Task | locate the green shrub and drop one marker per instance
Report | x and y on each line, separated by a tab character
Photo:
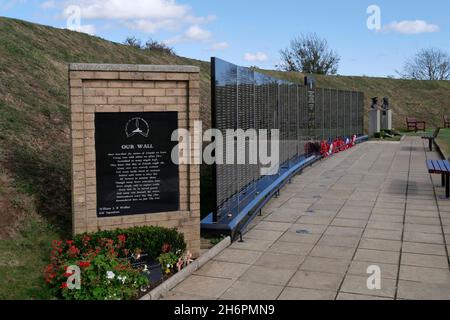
149	239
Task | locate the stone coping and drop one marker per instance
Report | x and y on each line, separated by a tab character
173	281
132	67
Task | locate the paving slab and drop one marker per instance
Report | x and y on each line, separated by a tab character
423	237
411	290
327	265
252	244
354	297
425	260
306	294
300	237
380	244
358	285
316	280
383	234
355	223
244	290
344	231
341	253
424	248
238	256
377	256
360	268
280	261
259	234
423	274
267	275
339	241
293	248
273	226
208	286
221	269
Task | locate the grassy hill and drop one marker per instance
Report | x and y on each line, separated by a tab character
34	133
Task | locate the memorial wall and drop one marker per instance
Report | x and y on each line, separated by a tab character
244	99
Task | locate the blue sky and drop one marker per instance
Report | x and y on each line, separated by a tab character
250	32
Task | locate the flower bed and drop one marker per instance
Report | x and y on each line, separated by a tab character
111	264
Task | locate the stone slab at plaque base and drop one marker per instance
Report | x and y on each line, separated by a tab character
386	120
374	122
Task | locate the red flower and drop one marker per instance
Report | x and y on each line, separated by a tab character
121	238
84	264
166	248
63	285
74	251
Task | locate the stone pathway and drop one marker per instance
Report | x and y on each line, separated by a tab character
372	205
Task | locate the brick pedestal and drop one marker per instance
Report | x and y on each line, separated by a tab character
100	88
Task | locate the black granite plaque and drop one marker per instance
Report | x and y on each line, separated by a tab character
135	172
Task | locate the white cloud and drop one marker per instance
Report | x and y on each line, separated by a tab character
219	46
87	28
136	9
197	33
411	27
149	16
194	34
258	56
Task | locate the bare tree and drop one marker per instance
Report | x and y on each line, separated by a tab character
309	54
427	64
133	42
154	45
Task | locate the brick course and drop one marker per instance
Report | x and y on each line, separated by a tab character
115	90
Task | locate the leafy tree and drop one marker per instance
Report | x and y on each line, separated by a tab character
309	54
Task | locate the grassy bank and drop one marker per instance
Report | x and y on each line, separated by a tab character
443	141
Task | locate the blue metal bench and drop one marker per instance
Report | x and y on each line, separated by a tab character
441	167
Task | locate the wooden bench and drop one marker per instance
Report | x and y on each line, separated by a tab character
441	167
446	121
431	138
413	124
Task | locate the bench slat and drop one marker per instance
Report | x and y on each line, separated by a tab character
433	166
447	165
438	166
441	166
430	165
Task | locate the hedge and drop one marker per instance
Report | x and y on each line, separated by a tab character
149	239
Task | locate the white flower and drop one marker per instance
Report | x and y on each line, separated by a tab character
122	279
110	275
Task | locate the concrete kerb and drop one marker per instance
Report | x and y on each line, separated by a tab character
169	284
439	150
